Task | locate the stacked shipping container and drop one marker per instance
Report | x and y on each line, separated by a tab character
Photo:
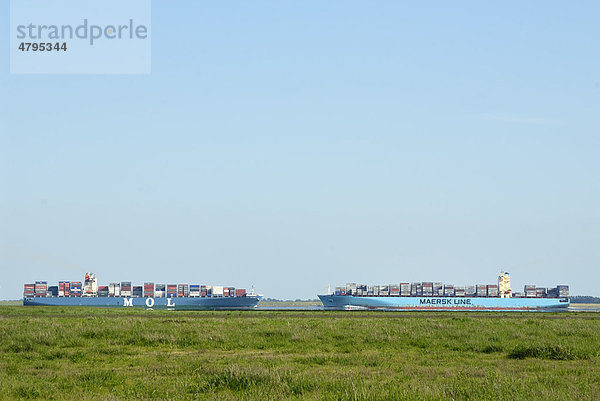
481	290
492	290
194	290
148	290
114	290
530	291
75	288
160	290
183	290
563	290
138	291
41	288
29	290
404	289
429	289
126	289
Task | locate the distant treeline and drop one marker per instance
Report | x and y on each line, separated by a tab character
290	300
585	299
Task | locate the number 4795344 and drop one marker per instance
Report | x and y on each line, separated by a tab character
41	47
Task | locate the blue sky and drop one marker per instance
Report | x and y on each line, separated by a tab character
292	145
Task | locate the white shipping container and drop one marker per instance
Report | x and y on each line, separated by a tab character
217	290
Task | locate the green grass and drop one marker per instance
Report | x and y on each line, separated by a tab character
71	353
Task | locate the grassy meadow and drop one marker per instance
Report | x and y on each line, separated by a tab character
114	354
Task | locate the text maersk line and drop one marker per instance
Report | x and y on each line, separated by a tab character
83	31
444	301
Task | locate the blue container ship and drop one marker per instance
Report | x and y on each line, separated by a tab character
148	296
430	296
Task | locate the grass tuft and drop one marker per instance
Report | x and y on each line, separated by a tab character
555	352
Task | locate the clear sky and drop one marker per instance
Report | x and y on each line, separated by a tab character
292	145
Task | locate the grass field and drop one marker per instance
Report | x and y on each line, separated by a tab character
69	353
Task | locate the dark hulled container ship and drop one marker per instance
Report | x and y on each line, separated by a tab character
148	296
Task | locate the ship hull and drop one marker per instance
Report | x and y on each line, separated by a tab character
348	302
177	303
